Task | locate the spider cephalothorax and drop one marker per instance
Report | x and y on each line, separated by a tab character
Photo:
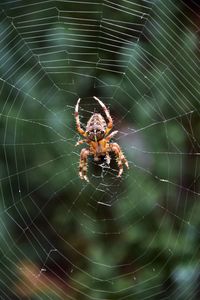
96	136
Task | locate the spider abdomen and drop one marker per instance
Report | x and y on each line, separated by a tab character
96	127
97	122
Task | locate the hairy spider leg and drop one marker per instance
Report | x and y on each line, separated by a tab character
81	142
119	156
83	164
110	136
78	124
107	113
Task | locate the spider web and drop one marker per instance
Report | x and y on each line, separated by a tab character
131	238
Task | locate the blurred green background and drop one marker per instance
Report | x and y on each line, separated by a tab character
131	238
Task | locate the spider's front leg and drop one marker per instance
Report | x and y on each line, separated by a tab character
107	158
83	164
120	157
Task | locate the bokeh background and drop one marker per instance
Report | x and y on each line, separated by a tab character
137	237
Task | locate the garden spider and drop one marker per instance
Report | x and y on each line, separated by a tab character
96	136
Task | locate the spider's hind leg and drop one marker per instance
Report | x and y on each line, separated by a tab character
107	113
78	124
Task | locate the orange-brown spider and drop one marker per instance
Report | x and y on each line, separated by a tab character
96	136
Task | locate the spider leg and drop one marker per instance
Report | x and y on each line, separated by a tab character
120	157
107	158
83	164
81	142
110	136
78	124
107	113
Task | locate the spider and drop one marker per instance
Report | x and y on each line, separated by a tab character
96	136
